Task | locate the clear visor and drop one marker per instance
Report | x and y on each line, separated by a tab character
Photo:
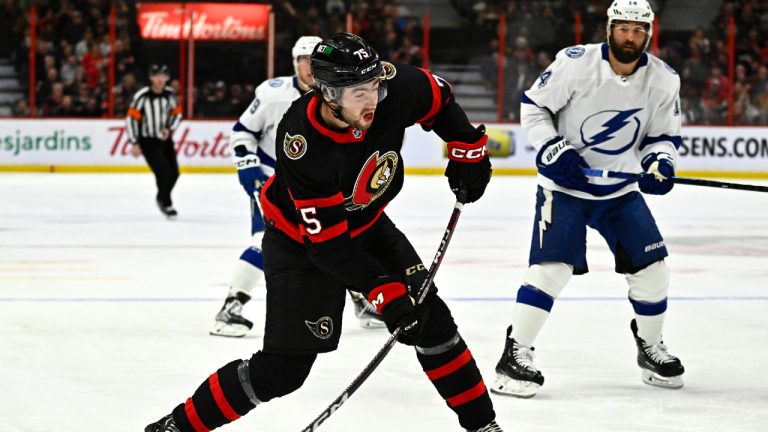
365	95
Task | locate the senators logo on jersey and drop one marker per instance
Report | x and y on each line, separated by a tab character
373	180
294	146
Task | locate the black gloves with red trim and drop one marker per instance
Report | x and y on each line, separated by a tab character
390	298
469	167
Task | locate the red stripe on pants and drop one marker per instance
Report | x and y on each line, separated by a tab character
450	367
469	395
194	419
221	400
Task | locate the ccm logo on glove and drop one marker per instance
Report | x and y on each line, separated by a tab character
468	152
247	161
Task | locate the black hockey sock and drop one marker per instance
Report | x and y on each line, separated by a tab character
454	374
218	401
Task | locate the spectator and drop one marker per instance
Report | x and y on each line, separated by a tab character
21	109
65	108
71	70
92	63
408	53
713	104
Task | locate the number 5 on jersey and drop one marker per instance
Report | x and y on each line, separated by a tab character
308	215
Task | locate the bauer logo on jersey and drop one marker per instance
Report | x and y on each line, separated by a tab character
611	132
294	146
575	51
322	328
373	180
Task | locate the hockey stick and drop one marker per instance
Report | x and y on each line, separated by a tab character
379	357
678	180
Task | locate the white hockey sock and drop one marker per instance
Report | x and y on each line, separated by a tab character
649	327
244	277
527	322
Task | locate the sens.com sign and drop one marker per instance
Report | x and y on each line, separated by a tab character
724	149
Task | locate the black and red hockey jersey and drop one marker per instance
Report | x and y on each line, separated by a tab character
331	185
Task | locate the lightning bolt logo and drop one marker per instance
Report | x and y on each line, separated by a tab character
546	216
618	120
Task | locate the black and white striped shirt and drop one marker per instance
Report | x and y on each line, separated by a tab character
152	112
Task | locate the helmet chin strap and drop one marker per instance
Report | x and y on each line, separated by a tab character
335	111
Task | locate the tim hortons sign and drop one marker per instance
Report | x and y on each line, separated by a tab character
206	21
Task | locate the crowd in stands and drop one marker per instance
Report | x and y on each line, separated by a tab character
72	55
73	49
700	58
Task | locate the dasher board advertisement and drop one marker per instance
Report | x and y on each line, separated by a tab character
206	21
725	151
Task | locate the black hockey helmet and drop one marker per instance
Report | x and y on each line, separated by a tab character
158	69
344	60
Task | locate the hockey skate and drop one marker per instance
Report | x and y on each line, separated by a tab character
366	313
659	368
230	321
165	424
167	210
515	374
490	427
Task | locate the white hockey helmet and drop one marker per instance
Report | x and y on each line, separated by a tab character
304	46
631	10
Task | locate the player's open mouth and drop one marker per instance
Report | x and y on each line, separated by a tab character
368	116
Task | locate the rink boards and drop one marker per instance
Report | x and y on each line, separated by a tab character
60	145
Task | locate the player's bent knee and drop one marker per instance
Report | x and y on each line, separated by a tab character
549	277
253	256
649	284
276	375
440	328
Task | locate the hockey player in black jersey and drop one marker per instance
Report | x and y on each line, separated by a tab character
338	166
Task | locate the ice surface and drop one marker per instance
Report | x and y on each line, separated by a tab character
105	309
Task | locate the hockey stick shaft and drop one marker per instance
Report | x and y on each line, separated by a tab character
382	353
678	180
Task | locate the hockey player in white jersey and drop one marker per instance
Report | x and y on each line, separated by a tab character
253	144
607	106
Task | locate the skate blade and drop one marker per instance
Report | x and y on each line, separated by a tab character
372	323
654	379
507	386
228	330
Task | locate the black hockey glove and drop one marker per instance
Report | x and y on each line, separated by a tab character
560	162
469	167
659	170
391	300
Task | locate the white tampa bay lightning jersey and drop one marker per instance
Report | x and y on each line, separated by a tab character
257	126
613	121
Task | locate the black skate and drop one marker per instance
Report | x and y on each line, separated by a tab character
366	312
167	210
165	424
230	321
659	367
515	374
490	427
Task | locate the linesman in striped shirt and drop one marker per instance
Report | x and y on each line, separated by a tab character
152	117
